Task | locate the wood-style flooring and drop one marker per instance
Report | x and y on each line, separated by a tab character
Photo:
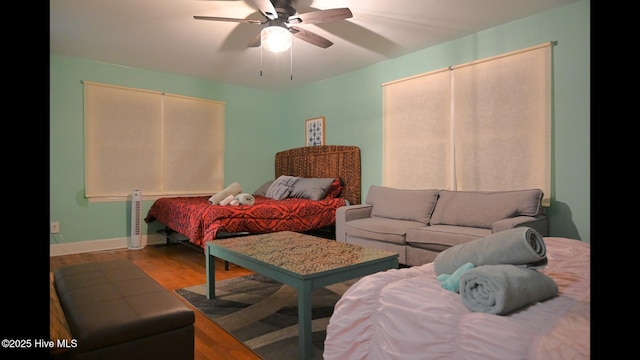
174	267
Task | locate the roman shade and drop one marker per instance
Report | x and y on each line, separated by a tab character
479	126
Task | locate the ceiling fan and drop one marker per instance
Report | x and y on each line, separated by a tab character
282	15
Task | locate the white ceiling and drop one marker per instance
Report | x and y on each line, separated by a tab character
162	35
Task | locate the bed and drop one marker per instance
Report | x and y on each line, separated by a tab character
407	314
196	220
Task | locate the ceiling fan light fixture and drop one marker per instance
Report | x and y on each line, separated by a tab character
275	38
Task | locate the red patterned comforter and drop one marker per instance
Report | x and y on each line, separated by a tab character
200	221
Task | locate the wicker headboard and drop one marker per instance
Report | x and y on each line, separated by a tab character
341	161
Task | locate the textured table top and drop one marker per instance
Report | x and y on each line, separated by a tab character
300	253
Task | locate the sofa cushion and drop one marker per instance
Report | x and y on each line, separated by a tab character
381	229
483	208
442	237
402	204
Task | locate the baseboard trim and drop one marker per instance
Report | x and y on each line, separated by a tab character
101	245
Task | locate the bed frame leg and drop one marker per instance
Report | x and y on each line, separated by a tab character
226	265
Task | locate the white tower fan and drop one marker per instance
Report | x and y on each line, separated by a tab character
135	241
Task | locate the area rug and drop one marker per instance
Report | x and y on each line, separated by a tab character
263	313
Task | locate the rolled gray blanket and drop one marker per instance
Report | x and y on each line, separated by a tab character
517	246
501	289
245	199
233	189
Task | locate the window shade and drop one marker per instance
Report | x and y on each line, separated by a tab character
416	132
503	122
484	125
161	144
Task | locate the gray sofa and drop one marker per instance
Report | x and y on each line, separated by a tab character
418	224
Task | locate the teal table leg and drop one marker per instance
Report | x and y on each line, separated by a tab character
305	349
211	275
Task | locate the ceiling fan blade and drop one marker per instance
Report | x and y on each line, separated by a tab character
310	37
321	16
266	8
215	18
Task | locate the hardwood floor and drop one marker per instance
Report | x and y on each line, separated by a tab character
174	267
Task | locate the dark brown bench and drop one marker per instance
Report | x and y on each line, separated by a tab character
116	311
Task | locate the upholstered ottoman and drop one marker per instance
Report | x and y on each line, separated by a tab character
116	311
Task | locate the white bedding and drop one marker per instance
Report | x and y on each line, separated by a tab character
406	314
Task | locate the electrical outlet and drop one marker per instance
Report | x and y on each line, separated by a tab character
55	227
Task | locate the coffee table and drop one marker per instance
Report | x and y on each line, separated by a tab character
301	261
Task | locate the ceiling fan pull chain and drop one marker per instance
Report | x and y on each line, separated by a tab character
260	60
291	61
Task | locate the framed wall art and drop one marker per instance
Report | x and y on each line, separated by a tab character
314	131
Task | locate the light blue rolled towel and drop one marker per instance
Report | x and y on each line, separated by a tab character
245	199
519	246
452	282
501	289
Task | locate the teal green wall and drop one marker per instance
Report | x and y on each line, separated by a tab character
260	123
352	104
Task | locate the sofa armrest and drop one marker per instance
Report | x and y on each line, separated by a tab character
348	213
539	223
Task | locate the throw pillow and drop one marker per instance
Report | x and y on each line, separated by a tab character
281	187
402	204
262	190
482	208
336	189
311	188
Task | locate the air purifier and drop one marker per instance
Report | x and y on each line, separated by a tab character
135	240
